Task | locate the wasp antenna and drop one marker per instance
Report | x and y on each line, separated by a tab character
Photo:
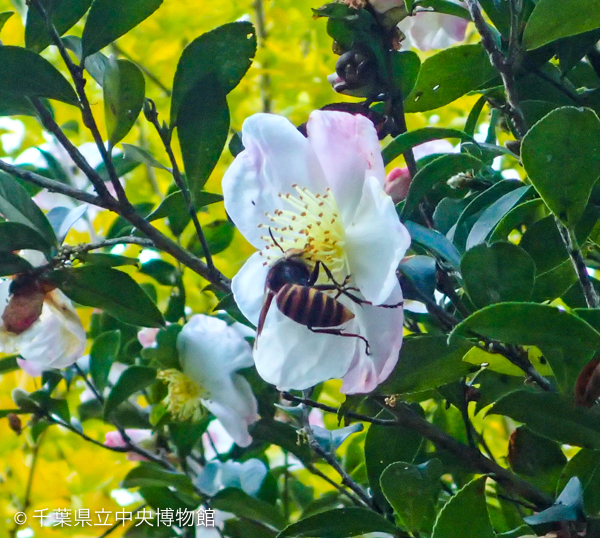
275	240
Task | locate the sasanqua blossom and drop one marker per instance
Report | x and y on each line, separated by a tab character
210	353
323	195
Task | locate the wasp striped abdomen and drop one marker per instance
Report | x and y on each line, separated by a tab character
311	307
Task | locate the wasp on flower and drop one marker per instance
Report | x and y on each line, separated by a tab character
317	202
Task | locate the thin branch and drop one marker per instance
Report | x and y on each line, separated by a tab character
264	80
330	458
165	136
127	240
503	65
570	241
314	470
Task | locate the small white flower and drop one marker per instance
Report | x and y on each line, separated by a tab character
55	339
210	353
324	196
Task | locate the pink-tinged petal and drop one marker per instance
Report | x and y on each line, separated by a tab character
290	356
381	6
382	327
348	148
147	337
455	27
397	184
248	287
276	156
236	409
114	439
376	242
31	368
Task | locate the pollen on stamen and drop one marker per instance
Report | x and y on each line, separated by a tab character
321	204
320	215
294	185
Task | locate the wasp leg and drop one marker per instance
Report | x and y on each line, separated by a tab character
338	332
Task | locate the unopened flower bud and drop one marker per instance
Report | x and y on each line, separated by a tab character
587	386
14	421
23	309
460	181
397	184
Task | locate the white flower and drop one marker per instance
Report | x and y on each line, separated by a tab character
429	30
53	337
323	195
210	353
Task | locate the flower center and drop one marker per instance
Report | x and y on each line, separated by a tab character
184	395
311	223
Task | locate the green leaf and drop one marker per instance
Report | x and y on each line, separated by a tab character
561	154
219	235
15	105
565	340
412	490
543	243
437	171
426	362
221	57
17	206
434	242
17	236
4	16
64	14
132	380
151	475
110	19
553	19
384	446
340	523
124	88
11	264
103	353
405	70
202	128
161	271
500	364
465	515
497	273
438	83
110	290
552	415
142	156
526	213
107	260
402	143
18	64
241	504
283	435
586	466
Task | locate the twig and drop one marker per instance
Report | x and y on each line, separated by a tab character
502	64
314	470
464	410
126	240
262	34
165	136
570	241
330	458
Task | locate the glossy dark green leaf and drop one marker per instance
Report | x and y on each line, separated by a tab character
64	14
107	260
17	236
110	19
497	273
143	156
465	515
8	364
241	504
409	140
148	474
427	362
132	380
18	64
110	290
434	242
492	215
384	446
202	128
161	271
586	466
553	19
15	105
219	235
544	244
104	351
438	83
554	282
552	415
124	88
412	490
11	264
405	70
4	16
561	154
16	206
221	56
437	171
419	277
526	213
340	523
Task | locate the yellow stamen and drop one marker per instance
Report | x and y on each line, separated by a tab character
184	395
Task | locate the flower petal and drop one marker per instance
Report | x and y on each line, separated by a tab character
383	328
348	148
291	356
376	242
248	287
276	156
236	408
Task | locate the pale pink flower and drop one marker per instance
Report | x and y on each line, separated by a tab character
147	337
278	183
141	438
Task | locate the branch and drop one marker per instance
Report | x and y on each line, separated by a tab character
262	34
570	241
127	240
502	64
314	470
165	136
330	458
